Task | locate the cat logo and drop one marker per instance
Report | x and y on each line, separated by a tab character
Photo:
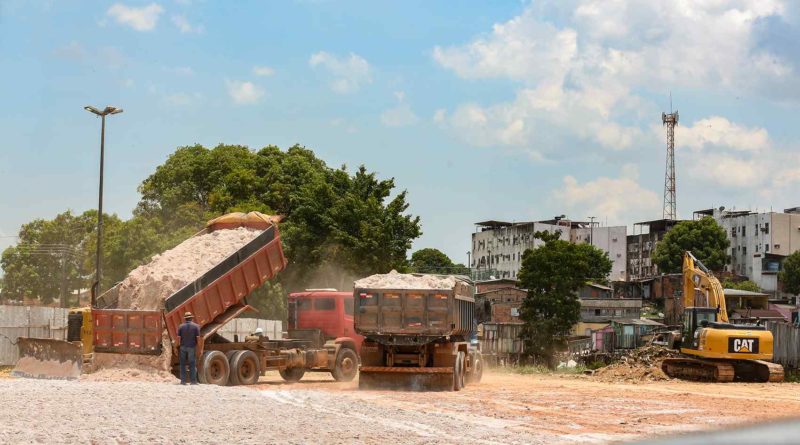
743	345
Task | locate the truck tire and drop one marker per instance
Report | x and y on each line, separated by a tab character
458	372
214	368
292	375
346	366
244	368
477	370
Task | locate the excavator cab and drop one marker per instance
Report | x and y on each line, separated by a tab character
695	318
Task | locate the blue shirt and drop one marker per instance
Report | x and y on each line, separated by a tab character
188	332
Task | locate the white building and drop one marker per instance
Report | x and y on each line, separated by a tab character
759	242
498	246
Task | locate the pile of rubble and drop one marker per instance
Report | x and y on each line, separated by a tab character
638	365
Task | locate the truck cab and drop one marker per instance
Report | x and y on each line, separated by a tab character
322	315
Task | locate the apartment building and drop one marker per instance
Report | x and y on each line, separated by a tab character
499	245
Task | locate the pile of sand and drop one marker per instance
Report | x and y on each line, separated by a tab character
639	365
149	285
395	280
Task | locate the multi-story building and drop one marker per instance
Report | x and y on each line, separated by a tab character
498	245
640	247
759	242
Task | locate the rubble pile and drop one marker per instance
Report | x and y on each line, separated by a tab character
638	365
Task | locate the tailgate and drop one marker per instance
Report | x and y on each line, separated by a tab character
127	331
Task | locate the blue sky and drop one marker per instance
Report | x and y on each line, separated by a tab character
481	110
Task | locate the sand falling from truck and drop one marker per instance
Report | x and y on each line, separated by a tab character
146	288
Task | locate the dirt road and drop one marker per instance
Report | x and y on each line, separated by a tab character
503	409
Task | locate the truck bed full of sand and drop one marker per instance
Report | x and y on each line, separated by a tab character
149	285
395	280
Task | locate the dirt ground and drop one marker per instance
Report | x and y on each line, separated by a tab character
504	408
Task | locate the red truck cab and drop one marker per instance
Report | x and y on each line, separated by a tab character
327	310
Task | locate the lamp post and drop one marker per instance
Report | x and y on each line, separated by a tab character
591	230
98	271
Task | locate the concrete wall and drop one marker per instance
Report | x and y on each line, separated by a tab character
246	326
612	240
28	321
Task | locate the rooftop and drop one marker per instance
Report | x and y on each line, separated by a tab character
742	293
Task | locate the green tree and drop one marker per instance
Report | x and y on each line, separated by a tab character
334	220
431	260
704	238
790	273
553	274
741	285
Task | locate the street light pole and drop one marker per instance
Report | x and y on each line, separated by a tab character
99	255
591	229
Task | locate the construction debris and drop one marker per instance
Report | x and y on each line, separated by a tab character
638	365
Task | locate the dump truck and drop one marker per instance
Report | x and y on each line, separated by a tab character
419	332
214	298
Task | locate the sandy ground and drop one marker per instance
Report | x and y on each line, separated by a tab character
502	409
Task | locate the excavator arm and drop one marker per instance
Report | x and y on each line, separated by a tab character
701	288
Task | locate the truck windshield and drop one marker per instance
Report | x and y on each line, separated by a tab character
324	304
303	304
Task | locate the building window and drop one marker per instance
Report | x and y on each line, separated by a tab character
766	228
744	230
766	247
744	250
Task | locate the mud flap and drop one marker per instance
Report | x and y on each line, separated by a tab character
45	358
404	379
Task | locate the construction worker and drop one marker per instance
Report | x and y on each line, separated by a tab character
188	341
258	332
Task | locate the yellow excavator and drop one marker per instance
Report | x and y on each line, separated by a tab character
714	349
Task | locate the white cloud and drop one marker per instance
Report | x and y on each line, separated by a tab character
244	93
728	171
183	99
620	200
400	115
263	71
140	19
72	51
348	73
181	71
718	131
182	23
343	123
580	66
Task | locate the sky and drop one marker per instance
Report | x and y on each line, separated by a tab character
509	110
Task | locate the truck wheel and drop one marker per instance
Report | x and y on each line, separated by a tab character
477	369
346	366
214	368
458	372
292	374
244	368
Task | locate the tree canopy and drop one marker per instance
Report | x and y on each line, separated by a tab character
338	225
741	285
790	273
704	238
430	260
553	274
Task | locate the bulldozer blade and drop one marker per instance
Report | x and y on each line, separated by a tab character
405	381
45	358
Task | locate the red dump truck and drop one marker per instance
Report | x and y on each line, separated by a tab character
215	298
419	338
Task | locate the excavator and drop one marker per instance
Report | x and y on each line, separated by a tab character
712	348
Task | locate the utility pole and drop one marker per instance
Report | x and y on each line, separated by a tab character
99	255
591	229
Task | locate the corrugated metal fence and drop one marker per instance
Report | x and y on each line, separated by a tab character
28	321
786	343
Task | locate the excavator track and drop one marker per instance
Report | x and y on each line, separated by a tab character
722	371
699	370
758	371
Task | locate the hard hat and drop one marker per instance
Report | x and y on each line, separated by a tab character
259	331
188	315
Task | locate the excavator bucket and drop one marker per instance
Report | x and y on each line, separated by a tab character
45	358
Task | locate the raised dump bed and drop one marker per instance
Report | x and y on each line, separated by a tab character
213	298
